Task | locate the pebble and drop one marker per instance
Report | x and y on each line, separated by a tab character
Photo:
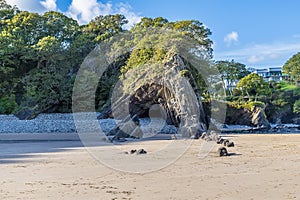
64	123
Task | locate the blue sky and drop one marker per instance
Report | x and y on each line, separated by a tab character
258	33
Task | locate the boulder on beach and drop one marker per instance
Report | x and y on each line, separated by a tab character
141	151
243	116
225	142
222	151
220	141
230	144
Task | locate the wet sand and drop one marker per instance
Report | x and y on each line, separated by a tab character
260	167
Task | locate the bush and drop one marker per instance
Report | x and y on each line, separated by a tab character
280	102
297	91
286	86
247	105
257	104
297	107
7	105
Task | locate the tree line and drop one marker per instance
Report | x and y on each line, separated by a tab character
41	53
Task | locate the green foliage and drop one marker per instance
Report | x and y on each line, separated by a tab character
149	22
139	57
103	27
256	104
280	102
6	11
42	54
151	46
283	94
286	86
247	105
292	68
184	73
190	28
296	107
56	24
231	72
252	85
7	104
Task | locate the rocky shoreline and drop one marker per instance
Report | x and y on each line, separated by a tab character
64	123
275	129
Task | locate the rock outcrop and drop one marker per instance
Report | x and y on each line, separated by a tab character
282	115
160	91
243	116
31	112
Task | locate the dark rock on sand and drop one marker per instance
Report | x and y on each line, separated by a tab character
230	144
141	151
220	141
225	142
222	151
203	136
133	151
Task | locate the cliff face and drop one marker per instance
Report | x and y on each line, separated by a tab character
242	116
160	91
284	115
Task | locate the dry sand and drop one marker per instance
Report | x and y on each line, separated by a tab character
263	167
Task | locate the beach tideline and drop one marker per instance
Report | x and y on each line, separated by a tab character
261	166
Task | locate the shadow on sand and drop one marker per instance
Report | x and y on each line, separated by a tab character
19	147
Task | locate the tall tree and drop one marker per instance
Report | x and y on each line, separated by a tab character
292	68
252	85
103	27
191	28
231	72
58	25
7	11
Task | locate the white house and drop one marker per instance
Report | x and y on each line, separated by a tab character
270	74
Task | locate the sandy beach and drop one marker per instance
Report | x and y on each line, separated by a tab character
260	167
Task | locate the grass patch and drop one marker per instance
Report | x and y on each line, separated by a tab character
286	86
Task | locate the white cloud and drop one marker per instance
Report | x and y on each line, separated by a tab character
255	59
232	37
81	10
84	11
49	4
132	17
262	54
30	5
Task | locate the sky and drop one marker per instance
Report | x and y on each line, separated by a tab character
258	33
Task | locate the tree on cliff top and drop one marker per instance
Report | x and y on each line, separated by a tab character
292	68
154	39
252	86
7	11
231	72
193	29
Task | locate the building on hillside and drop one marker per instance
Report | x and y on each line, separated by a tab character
270	74
230	85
